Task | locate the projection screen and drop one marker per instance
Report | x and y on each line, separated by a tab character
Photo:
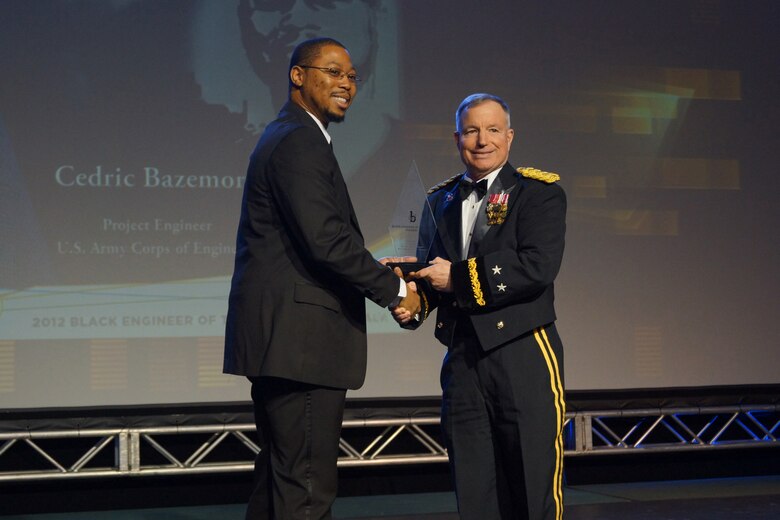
126	125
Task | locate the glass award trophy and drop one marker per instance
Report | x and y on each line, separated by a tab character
404	229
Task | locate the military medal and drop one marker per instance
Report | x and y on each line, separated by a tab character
496	208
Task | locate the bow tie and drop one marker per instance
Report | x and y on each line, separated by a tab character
465	188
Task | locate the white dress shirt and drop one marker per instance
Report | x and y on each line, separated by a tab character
469	210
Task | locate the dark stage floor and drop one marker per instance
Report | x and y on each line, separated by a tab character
753	498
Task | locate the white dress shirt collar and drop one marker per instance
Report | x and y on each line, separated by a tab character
469	209
322	127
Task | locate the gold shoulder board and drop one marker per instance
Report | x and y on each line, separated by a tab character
443	184
539	175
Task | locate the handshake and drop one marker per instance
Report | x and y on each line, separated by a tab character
437	276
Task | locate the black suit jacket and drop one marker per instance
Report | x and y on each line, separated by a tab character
505	286
296	307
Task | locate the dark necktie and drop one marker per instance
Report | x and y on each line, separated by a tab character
465	187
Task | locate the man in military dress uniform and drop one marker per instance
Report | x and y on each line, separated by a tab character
496	248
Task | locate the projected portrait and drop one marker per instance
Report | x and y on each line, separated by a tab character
241	49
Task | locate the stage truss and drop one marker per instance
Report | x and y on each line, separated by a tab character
219	447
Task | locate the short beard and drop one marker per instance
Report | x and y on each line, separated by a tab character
336	118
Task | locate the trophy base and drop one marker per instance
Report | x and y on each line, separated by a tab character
407	267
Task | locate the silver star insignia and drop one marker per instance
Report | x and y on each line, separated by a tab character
496	270
501	287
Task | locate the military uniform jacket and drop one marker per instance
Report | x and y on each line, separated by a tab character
297	299
505	285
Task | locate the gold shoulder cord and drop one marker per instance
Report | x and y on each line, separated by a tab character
475	286
539	175
442	184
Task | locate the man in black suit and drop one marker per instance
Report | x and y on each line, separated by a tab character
296	321
496	237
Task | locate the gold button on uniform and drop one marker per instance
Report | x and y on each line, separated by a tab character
500	325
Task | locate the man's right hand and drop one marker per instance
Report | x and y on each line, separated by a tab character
409	306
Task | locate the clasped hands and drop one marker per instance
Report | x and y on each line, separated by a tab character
437	274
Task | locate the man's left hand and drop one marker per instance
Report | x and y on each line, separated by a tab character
438	274
397	260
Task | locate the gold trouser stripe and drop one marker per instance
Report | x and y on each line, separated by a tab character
560	409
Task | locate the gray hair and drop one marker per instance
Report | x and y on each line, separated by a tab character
477	99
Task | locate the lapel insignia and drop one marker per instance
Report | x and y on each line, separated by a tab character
496	208
449	197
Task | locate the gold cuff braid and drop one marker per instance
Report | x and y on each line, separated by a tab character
475	285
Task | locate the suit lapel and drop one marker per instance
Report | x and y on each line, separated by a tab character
352	215
340	184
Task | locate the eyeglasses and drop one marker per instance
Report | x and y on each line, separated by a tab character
335	73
